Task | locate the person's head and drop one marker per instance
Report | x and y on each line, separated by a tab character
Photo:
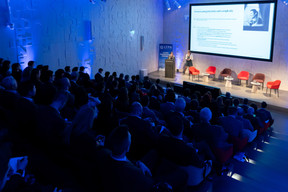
219	100
136	109
40	67
67	69
9	83
27	89
240	111
253	13
81	96
107	73
170	96
100	70
47	76
74	76
59	74
254	106
81	69
119	141
64	84
194	104
180	104
205	114
228	95
6	65
175	124
171	53
236	102
60	100
245	101
157	81
133	77
31	64
250	110
232	111
45	94
75	69
188	52
127	77
145	101
263	104
114	74
35	75
121	76
16	67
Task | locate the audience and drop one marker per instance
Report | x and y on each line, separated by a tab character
118	134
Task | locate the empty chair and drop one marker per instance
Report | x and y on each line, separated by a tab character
243	75
259	78
226	72
193	71
273	85
211	70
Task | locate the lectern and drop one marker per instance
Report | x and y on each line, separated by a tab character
170	68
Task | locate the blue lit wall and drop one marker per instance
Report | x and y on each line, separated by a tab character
76	33
178	36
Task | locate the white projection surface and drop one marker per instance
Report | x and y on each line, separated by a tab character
238	29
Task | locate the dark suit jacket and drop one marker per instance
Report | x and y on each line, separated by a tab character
231	125
166	107
214	135
143	136
178	152
123	176
98	77
51	127
255	121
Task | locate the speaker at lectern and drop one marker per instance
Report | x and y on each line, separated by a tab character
170	68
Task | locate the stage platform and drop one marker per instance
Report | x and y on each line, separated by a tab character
241	91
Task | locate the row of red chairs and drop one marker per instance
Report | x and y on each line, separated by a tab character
243	75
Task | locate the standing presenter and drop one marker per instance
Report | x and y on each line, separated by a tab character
189	59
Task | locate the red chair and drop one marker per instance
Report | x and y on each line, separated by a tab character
259	78
223	154
273	85
243	75
237	142
193	71
211	70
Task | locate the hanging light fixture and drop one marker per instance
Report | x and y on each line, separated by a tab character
177	4
167	5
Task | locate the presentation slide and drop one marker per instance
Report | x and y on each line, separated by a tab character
238	29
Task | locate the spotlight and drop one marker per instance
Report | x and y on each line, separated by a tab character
92	1
177	4
167	5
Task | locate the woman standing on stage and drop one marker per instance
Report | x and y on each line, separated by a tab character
189	58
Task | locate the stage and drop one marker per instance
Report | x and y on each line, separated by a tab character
241	91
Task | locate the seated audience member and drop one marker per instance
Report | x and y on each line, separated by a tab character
236	102
26	74
16	72
73	81
10	84
122	102
67	72
245	105
47	77
5	69
169	104
98	76
174	148
230	124
186	96
148	113
214	135
119	174
255	121
265	113
248	130
144	136
159	87
52	129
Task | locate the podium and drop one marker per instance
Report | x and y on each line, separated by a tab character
170	68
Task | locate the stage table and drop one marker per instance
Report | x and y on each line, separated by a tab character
228	81
206	77
255	86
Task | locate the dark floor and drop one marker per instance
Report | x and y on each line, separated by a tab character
267	170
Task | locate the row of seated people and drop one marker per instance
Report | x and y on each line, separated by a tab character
148	132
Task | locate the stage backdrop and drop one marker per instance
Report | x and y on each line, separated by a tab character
164	51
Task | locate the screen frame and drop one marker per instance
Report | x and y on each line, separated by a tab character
233	3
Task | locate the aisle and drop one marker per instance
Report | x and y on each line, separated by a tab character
268	167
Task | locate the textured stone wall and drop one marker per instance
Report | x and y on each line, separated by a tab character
178	36
73	32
